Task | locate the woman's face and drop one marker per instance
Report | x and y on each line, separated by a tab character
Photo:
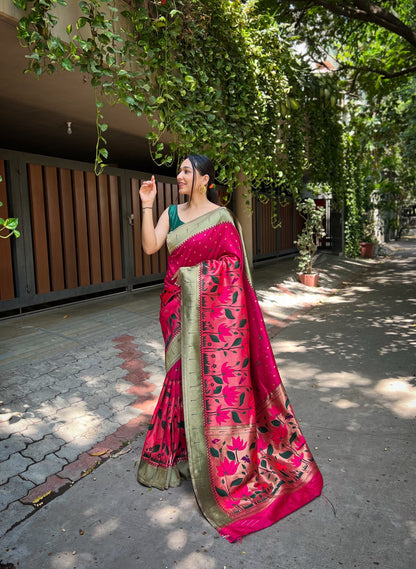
185	177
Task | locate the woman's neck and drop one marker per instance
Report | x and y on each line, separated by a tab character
198	202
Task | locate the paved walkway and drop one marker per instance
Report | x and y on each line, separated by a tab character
78	385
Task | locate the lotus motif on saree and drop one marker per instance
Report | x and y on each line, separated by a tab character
223	417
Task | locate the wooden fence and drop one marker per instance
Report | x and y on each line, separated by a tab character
81	234
269	242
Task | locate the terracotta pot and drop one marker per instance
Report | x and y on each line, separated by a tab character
309	279
367	250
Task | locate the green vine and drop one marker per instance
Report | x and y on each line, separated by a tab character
213	76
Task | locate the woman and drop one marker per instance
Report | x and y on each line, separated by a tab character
223	418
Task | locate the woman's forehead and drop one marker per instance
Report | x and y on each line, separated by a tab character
186	164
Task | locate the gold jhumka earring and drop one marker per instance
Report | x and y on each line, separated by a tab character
202	190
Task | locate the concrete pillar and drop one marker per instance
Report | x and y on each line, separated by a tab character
244	215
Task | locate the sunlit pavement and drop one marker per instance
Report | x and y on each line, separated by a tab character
78	384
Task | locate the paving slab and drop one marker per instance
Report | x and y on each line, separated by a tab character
345	353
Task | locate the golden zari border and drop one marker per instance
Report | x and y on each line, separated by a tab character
193	399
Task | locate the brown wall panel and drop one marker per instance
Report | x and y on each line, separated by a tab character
164	193
81	233
286	228
299	223
39	233
68	228
115	220
267	235
6	264
175	194
53	216
78	231
137	238
105	231
93	228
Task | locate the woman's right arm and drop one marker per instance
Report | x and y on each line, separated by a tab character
152	237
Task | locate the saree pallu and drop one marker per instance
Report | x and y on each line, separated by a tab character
223	417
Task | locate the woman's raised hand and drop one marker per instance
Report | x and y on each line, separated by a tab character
148	192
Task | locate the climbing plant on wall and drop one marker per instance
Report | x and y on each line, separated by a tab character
212	76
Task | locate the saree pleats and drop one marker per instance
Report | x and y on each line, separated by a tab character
164	459
248	460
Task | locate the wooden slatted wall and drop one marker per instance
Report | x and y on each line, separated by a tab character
299	223
75	228
286	226
266	235
6	264
273	242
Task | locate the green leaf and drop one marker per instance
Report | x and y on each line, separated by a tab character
235	296
214	452
235	416
230	455
237	342
229	314
21	4
246	362
214	338
286	454
237	482
67	65
217	379
242	397
292	438
221	492
270	450
81	23
130	101
11	223
242	323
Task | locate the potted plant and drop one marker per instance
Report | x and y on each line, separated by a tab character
367	231
368	242
307	242
367	247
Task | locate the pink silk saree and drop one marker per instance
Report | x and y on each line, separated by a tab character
223	417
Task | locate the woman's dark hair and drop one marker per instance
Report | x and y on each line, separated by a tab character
204	166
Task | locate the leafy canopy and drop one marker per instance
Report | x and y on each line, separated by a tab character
374	43
213	76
